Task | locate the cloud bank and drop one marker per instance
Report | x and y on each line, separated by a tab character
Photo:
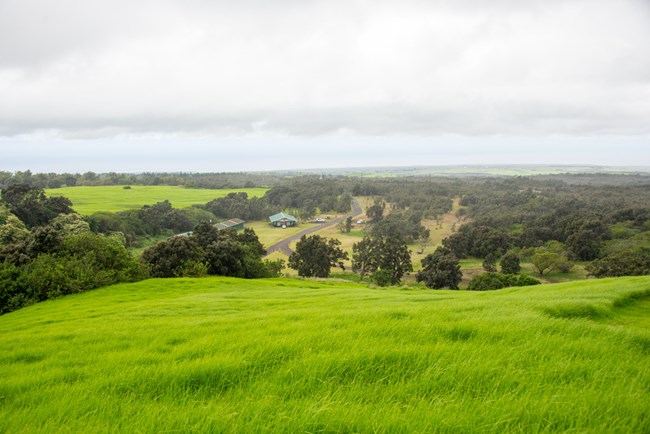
76	69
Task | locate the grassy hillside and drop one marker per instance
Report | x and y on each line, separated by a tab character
226	355
114	198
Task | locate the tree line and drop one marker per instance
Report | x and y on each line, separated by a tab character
189	179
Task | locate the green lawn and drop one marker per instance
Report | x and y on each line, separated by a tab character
283	355
270	235
114	198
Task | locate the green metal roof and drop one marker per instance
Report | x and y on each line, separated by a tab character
228	224
282	216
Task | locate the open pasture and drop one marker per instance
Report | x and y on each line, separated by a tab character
114	198
284	355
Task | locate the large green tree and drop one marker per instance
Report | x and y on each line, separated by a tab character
388	255
365	256
546	261
375	212
584	245
440	269
510	263
31	205
394	257
316	255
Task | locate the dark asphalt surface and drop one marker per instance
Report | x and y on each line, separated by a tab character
283	245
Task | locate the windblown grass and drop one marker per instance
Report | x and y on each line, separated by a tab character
282	355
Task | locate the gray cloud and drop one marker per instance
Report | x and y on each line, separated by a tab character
87	69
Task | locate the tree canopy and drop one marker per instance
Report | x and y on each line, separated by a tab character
440	269
316	255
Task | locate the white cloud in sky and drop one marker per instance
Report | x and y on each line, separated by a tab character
171	71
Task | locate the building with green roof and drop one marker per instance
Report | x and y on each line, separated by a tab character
282	220
237	224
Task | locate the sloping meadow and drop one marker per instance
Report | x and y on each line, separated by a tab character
282	355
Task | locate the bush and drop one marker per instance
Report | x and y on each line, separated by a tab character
490	281
381	277
12	288
621	264
510	263
490	263
273	267
564	266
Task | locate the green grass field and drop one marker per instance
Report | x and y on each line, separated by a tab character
269	235
283	355
114	198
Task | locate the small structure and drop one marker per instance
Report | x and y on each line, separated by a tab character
282	220
236	224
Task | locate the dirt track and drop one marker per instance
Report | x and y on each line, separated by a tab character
283	246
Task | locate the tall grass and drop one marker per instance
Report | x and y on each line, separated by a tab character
281	355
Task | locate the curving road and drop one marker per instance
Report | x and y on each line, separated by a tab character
283	245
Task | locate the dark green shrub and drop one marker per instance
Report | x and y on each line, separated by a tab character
490	281
381	277
621	264
510	263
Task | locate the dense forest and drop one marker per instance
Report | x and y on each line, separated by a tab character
553	222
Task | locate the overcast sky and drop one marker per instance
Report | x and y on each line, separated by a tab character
201	85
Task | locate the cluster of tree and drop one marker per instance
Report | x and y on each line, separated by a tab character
47	250
190	180
208	251
402	224
425	196
406	224
575	220
510	263
555	221
307	194
303	196
239	205
622	263
385	259
582	239
491	280
31	205
61	256
478	241
150	220
552	222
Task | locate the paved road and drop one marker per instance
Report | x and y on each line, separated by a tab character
283	245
